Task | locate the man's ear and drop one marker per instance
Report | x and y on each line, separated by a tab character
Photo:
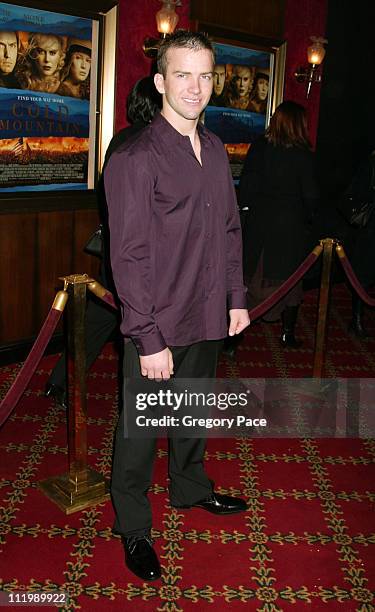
159	82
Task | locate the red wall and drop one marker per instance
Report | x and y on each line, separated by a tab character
303	18
136	22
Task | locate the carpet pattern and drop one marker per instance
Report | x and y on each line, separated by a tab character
307	540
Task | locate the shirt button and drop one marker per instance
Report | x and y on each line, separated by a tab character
208	204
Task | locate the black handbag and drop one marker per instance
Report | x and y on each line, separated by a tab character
94	245
356	212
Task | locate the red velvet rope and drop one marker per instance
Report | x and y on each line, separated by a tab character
103	294
23	378
259	310
109	299
256	312
352	277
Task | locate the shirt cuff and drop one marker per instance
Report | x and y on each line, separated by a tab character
237	299
150	344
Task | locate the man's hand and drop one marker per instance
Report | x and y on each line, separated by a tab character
158	366
239	319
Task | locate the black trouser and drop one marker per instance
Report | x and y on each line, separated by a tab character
134	458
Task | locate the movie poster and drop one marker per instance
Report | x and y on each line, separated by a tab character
238	111
47	100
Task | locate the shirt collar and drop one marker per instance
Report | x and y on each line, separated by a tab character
171	137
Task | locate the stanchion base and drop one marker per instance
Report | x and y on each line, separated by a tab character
71	497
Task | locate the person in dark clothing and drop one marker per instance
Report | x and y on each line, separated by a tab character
141	105
279	188
101	320
361	242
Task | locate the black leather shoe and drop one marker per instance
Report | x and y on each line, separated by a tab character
141	558
219	504
289	319
356	328
57	393
230	346
229	352
289	341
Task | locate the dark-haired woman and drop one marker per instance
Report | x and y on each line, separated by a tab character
141	105
278	186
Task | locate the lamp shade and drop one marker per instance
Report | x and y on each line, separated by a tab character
166	18
316	53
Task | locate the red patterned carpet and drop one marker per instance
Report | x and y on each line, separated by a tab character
307	541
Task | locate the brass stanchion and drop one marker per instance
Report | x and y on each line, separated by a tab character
81	486
324	291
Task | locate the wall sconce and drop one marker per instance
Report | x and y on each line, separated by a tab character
315	56
166	21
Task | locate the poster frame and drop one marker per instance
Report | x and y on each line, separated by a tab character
242	40
106	16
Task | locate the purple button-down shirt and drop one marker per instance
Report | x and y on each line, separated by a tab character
175	237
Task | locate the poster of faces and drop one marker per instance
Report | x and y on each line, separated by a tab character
239	107
47	100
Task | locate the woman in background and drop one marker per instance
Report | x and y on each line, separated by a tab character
278	186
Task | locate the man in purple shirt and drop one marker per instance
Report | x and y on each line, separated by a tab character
176	258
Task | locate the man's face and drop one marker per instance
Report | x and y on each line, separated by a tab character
47	56
243	79
262	86
80	66
8	52
219	79
187	85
